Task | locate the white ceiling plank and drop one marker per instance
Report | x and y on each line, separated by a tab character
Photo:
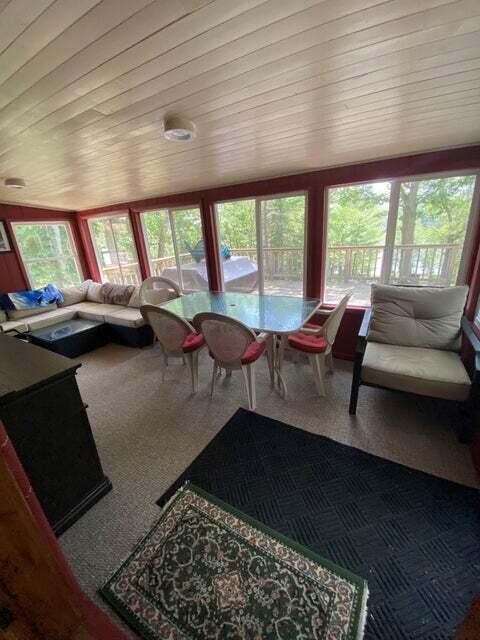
368	58
129	22
430	18
133	56
16	16
379	114
273	87
50	24
330	10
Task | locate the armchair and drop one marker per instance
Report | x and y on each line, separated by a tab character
410	341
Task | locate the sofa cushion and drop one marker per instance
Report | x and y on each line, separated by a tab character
52	317
126	317
19	314
3	316
95	293
135	298
119	294
74	294
95	310
427	372
10	325
417	316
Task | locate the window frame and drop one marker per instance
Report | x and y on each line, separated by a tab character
259	236
109	216
73	245
170	211
392	219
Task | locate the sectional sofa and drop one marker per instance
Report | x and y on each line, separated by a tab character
118	306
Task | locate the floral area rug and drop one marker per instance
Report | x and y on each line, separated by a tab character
205	570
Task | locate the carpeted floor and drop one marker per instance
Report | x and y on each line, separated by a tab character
148	433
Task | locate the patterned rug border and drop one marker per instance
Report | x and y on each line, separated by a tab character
360	613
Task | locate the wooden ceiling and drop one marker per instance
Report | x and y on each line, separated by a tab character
274	87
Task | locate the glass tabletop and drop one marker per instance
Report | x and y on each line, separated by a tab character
64	329
275	314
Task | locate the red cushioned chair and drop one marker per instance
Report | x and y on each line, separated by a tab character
317	343
233	345
176	337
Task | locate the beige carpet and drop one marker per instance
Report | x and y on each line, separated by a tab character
147	433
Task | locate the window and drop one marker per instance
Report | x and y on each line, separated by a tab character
262	244
48	253
408	232
115	249
175	246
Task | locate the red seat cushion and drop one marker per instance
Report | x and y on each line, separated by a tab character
193	342
253	352
308	343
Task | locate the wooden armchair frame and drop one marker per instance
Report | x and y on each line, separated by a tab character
472	404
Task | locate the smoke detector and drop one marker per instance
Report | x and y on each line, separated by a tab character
178	129
15	183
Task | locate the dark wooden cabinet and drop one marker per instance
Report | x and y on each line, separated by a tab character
46	420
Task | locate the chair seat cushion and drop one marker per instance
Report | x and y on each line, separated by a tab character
10	325
253	352
193	342
426	372
49	318
95	310
125	317
308	343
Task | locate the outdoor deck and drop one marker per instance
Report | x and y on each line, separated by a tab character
349	268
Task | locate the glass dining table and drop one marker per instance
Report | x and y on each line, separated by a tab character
277	315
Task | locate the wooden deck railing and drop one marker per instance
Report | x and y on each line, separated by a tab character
434	264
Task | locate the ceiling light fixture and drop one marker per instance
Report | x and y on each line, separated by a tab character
15	183
178	129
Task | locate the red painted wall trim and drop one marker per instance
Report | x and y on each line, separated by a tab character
210	237
140	244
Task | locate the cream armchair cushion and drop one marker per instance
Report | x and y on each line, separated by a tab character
427	372
417	316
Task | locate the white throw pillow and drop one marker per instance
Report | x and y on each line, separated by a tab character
3	316
95	293
135	298
417	316
74	294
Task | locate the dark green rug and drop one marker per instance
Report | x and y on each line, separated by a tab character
206	570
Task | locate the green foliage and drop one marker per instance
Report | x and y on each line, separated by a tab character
48	254
283	221
187	227
358	215
439	209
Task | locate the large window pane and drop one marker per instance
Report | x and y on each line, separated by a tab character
175	246
115	249
409	232
238	244
357	225
262	242
283	239
430	231
48	253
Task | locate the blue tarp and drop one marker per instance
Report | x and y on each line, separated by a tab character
31	299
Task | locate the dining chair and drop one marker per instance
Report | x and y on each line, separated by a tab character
317	342
158	289
176	337
233	345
